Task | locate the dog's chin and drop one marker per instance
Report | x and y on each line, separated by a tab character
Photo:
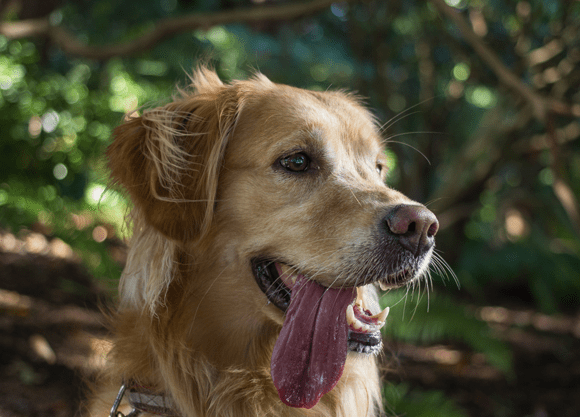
364	334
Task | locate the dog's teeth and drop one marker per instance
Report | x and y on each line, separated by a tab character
356	324
360	298
350	318
287	275
382	316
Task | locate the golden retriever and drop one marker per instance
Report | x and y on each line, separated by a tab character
262	227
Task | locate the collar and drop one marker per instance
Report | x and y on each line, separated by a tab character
143	400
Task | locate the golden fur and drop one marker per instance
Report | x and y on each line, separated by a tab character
208	197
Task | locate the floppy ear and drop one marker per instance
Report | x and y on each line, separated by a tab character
169	158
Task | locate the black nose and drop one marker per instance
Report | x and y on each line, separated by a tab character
415	226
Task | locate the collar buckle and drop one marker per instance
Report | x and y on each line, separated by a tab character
114	410
143	399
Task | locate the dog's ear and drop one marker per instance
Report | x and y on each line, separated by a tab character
169	158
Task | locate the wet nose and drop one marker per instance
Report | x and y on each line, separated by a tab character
415	226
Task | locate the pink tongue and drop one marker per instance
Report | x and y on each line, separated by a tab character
309	355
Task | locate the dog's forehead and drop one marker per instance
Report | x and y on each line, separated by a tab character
287	116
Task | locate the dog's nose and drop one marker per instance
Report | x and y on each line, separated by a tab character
415	226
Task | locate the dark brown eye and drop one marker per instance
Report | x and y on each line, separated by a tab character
297	162
379	168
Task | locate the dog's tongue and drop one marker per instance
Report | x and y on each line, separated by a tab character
310	353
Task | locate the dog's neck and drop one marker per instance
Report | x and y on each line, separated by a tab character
211	356
203	392
201	381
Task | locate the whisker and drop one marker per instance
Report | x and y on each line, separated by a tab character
404	113
415	284
410	146
427	204
352	192
428	282
396	119
443	268
204	295
405	303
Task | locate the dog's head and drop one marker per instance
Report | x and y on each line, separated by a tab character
276	199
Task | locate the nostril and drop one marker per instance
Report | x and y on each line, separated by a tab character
414	225
432	231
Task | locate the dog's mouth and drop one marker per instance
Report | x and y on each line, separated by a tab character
276	284
321	325
268	279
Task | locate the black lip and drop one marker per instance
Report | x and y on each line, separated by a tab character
365	342
267	278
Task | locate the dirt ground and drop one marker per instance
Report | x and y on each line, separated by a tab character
52	339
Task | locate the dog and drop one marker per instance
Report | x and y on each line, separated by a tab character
262	232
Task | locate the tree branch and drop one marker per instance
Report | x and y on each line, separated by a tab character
544	108
562	190
540	104
478	158
164	29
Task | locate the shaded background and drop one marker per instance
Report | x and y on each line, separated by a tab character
480	102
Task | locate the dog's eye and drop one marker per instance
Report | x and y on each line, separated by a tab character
379	169
297	162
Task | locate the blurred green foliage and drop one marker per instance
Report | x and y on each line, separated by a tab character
432	318
402	401
457	139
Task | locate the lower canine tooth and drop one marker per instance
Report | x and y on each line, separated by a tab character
358	325
285	268
350	319
382	316
360	297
